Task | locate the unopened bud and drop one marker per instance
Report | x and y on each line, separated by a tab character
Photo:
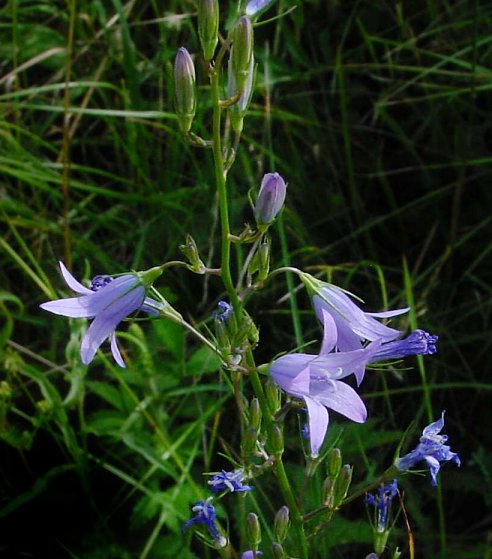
278	551
238	109
190	250
277	440
329	492
208	26
248	444
343	483
264	261
272	395
334	462
242	51
253	530
270	199
281	524
185	89
254	414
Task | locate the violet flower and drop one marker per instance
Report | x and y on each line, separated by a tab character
432	449
255	6
382	501
205	514
232	481
316	379
108	301
270	199
251	554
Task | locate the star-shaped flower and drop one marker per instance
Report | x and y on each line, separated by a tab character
205	514
108	301
432	449
382	502
232	481
317	380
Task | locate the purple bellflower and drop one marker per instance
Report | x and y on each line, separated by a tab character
419	342
317	380
255	6
382	501
270	199
251	554
108	301
432	449
205	514
354	326
231	481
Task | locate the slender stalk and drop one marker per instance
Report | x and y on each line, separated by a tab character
220	178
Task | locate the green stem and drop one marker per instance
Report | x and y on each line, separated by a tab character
220	178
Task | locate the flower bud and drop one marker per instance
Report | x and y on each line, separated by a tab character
281	524
254	414
278	551
329	492
264	261
334	462
242	51
277	440
208	26
190	250
248	443
343	483
270	199
253	530
185	89
238	110
272	395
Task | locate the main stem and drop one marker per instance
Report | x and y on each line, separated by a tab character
220	177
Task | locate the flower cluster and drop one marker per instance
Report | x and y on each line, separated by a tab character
352	339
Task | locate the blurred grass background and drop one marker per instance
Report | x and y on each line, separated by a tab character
378	114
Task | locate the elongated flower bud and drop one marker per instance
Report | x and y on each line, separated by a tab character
185	89
281	524
334	463
238	110
242	52
208	26
270	199
254	414
278	551
253	530
343	483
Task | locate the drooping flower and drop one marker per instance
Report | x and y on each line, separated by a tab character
354	326
317	380
205	514
232	481
419	342
382	502
108	301
270	200
432	449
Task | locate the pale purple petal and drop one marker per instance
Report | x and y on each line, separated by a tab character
299	386
318	424
347	340
434	468
434	428
115	350
106	321
340	397
112	293
286	368
72	282
74	307
329	332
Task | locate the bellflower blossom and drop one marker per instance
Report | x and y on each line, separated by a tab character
382	502
270	199
205	514
108	301
255	6
251	554
316	379
432	449
232	481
